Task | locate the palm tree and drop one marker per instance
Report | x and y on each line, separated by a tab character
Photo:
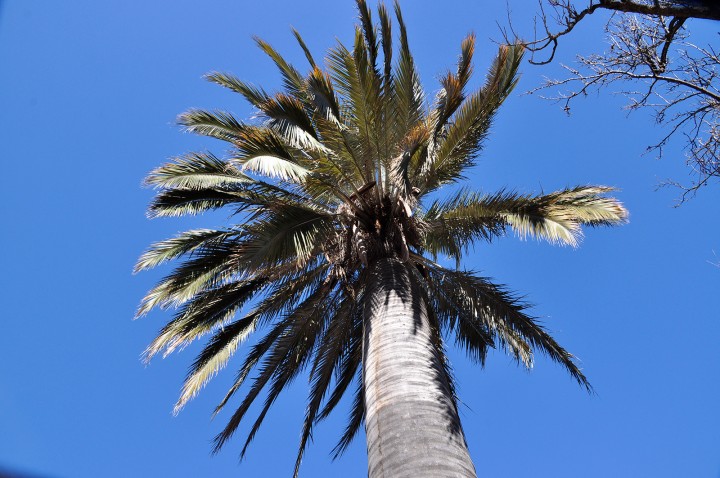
334	253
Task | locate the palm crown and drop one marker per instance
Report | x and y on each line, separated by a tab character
334	177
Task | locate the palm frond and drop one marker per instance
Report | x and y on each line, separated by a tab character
210	266
292	79
409	95
283	299
556	217
287	116
289	234
463	138
196	171
216	124
214	357
253	94
359	86
207	310
261	141
502	314
305	49
322	95
275	167
285	359
452	94
180	245
387	47
179	202
336	340
369	32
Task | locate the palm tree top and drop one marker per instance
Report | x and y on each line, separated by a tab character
335	175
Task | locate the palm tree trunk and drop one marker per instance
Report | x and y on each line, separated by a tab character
411	421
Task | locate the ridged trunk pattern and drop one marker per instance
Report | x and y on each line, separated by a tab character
412	425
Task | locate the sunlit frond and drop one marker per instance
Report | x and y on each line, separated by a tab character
556	217
216	124
274	167
180	245
208	267
214	357
207	310
196	171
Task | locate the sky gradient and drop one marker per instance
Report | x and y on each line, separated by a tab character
89	93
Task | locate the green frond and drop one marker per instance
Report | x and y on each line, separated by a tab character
305	49
254	95
287	116
260	141
216	124
463	137
332	345
204	312
369	31
286	358
452	314
503	315
455	223
292	79
387	46
322	95
359	87
412	146
179	202
196	171
409	96
209	267
286	293
260	350
214	357
347	368
339	157
288	234
180	245
252	358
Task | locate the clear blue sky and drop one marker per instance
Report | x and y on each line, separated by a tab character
89	92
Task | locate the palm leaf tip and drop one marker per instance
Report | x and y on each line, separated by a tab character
557	217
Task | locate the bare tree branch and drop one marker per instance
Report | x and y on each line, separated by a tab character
650	49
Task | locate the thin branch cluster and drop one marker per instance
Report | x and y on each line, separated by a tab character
657	66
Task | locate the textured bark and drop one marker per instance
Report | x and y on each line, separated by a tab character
412	425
